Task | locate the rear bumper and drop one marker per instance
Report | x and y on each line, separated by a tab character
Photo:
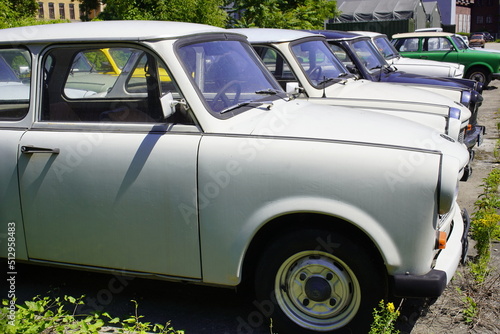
433	283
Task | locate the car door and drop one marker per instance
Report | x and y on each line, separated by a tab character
440	49
15	69
105	182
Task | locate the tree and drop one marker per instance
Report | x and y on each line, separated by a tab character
292	14
24	8
86	6
14	13
197	11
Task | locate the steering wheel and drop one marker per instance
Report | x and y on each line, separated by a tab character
221	95
316	72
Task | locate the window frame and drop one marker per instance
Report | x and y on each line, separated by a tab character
44	123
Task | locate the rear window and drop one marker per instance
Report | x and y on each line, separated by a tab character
15	78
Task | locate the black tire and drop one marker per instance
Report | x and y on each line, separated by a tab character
320	281
479	74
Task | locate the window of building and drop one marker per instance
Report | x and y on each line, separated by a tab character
62	14
52	14
479	19
40	10
71	11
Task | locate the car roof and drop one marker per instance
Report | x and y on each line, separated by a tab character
422	34
103	31
336	34
368	33
265	35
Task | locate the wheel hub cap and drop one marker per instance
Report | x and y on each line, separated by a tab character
318	289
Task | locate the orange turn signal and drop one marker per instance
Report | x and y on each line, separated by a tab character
441	240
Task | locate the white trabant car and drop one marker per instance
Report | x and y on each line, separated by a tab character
303	63
192	164
411	65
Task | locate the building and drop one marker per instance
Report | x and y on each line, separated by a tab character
463	15
63	10
433	14
486	17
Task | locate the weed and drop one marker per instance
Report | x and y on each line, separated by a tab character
54	316
383	319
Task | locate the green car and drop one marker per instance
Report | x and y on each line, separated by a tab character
480	65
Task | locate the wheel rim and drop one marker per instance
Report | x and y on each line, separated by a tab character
477	76
317	291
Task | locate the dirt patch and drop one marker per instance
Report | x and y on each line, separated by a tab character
445	315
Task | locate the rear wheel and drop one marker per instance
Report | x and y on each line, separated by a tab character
479	74
320	281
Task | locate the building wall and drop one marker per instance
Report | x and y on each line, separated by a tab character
59	9
63	10
463	19
486	16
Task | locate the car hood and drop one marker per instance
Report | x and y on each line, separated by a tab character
423	62
380	95
369	90
409	78
484	50
302	120
14	91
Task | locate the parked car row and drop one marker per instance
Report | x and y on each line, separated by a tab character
182	152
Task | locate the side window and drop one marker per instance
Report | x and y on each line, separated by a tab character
15	78
276	64
102	84
437	44
406	44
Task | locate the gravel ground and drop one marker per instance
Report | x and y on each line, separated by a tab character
445	314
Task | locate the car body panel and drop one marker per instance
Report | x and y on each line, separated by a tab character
58	230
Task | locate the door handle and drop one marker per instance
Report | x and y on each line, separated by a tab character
33	149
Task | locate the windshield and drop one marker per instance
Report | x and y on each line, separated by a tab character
370	58
385	48
228	74
459	42
318	62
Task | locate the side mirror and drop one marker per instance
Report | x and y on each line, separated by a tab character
168	105
292	88
24	70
